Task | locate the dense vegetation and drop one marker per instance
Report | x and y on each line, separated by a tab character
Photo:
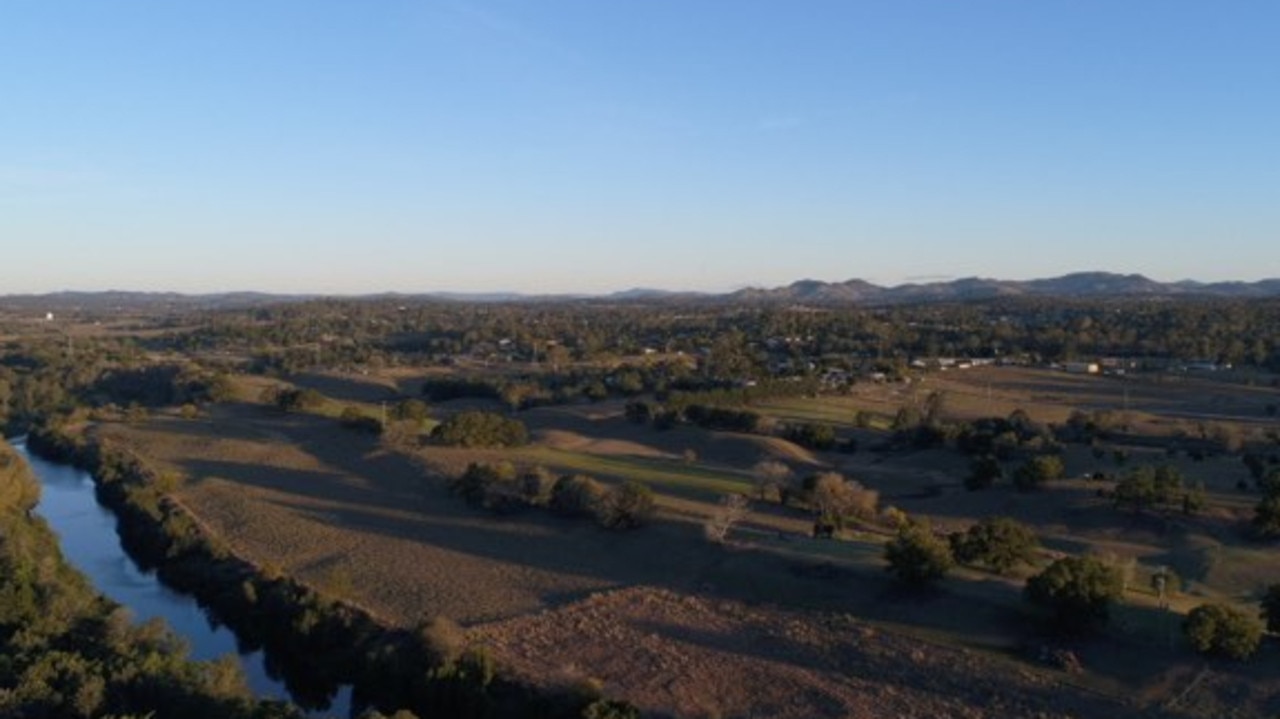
65	651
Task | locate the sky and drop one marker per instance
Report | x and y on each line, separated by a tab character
344	147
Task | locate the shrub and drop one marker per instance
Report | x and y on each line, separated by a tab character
1222	630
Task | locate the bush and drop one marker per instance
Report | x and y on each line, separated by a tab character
1077	590
916	557
1221	630
626	506
997	542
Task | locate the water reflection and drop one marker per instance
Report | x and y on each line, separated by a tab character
87	534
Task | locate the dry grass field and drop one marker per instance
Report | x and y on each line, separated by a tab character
761	628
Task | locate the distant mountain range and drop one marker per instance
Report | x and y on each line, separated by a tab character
1075	285
1080	285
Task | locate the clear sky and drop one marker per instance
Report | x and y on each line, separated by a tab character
594	145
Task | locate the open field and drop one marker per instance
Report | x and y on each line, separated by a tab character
761	626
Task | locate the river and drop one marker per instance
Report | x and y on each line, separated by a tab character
87	534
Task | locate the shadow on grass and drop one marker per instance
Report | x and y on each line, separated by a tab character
345	389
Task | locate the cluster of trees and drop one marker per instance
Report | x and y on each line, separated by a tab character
1075	592
1149	487
834	499
293	399
481	429
501	488
814	435
919	556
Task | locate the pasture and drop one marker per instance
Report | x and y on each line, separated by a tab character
373	523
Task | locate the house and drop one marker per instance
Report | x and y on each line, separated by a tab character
1081	367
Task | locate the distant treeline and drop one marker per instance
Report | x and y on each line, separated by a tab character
734	341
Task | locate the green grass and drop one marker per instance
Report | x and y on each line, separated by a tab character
836	411
695	481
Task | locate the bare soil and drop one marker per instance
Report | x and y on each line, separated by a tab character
693	656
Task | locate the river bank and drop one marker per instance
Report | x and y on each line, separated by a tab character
315	643
68	651
87	536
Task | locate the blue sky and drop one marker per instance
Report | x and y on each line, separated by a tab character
593	145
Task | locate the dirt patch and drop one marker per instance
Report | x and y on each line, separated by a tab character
690	656
575	442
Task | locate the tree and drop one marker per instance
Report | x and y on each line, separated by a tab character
1271	608
1266	517
835	499
1037	471
731	510
984	471
481	429
536	484
1145	487
1222	630
771	477
1077	590
1000	543
916	557
575	495
1269	482
626	506
411	410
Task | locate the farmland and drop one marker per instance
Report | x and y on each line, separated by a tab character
322	473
